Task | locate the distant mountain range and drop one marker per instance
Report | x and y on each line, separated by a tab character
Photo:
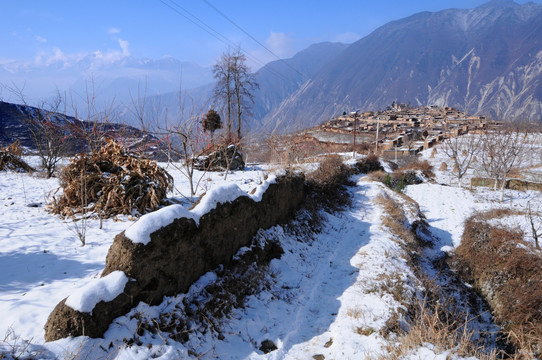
486	60
112	78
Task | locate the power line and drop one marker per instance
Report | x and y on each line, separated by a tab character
216	34
205	27
253	38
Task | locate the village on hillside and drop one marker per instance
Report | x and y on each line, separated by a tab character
398	131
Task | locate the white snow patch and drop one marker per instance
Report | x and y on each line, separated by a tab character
140	231
106	288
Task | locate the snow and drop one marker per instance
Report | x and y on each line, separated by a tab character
106	289
141	230
329	292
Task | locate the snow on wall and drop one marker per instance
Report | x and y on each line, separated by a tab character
141	230
106	289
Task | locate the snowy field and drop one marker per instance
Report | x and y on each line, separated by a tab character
325	297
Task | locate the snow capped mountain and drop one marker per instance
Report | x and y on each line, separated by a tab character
113	76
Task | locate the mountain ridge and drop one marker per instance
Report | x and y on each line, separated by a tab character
485	60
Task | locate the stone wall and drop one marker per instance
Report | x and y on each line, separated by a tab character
514	184
178	254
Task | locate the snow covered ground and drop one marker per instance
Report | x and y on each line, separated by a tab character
326	299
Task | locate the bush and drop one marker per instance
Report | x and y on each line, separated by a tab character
424	166
397	180
367	165
326	184
507	272
111	181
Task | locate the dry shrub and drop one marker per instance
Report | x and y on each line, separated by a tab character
506	271
396	221
424	166
325	185
397	180
10	158
443	167
331	171
367	165
437	320
111	181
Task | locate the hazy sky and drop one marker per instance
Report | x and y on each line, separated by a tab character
43	32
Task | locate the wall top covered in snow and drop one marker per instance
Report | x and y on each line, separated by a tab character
140	231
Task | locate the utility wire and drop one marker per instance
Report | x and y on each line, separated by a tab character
217	35
303	76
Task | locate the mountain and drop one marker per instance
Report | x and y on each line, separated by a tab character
111	77
17	121
277	81
485	60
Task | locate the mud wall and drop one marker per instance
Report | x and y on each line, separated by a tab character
178	254
514	184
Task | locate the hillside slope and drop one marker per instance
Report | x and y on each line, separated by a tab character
486	60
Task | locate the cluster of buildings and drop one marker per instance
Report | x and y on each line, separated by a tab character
400	130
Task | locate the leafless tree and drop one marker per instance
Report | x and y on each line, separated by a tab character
191	138
535	221
223	92
234	87
244	83
93	121
501	151
462	150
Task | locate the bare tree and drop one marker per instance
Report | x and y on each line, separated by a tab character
192	139
462	150
223	92
244	83
535	220
501	151
93	121
234	87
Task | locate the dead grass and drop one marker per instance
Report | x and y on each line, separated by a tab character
432	316
115	182
10	159
208	309
395	220
325	186
437	320
505	270
368	164
397	180
424	166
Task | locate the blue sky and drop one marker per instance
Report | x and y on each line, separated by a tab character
44	31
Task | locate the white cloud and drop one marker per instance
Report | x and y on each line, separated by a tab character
280	44
40	39
124	45
111	56
113	30
347	37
